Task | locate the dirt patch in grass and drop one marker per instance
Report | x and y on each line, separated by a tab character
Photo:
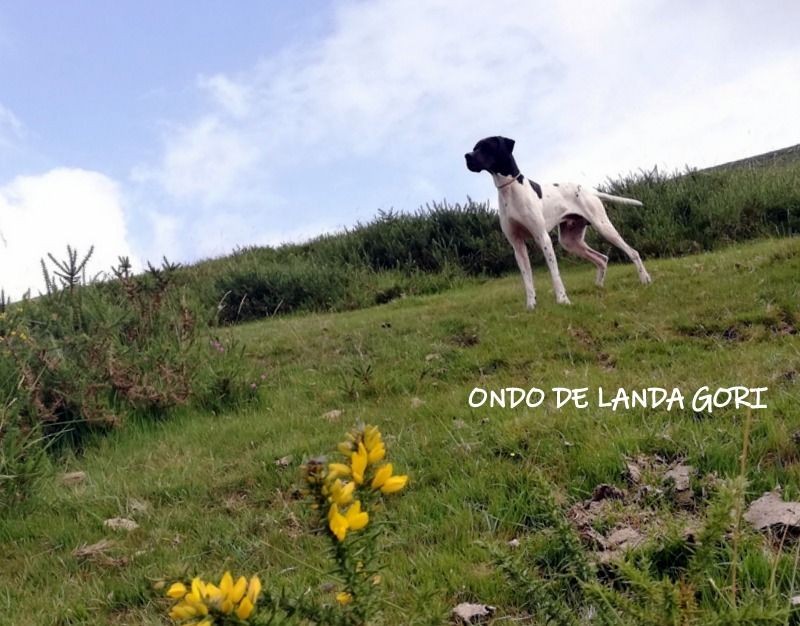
779	322
615	519
590	343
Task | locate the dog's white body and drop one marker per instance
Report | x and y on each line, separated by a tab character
570	207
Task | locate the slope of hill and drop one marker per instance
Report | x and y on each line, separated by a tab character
208	495
784	156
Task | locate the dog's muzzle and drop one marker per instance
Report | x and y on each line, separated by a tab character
472	163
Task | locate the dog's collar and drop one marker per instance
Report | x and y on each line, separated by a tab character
518	178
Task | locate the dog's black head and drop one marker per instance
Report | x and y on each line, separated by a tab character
493	154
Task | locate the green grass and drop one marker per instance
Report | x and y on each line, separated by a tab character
215	498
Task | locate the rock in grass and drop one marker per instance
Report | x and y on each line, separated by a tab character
771	511
633	473
284	461
605	491
137	506
619	542
93	550
624	539
121	523
332	416
471	613
71	479
680	474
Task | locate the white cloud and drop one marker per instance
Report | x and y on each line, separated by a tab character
166	237
297	234
588	89
387	78
45	213
10	126
206	160
715	123
232	96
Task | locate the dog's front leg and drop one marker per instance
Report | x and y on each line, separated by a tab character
524	263
543	239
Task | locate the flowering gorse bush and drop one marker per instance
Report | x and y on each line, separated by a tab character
347	494
204	604
85	357
334	486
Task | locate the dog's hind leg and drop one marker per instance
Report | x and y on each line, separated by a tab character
570	234
610	234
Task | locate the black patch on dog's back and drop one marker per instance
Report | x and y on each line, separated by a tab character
537	188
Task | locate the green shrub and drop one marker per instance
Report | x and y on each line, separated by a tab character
701	210
396	254
82	359
22	454
299	284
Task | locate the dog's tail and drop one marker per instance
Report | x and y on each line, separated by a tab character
617	199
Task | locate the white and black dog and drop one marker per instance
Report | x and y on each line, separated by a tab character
528	209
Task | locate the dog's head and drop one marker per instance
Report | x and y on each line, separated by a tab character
492	154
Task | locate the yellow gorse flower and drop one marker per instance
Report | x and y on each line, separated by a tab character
203	600
341	493
363	449
345	447
343	598
382	475
336	470
386	482
352	520
177	590
376	454
245	608
358	463
372	437
394	484
356	518
337	522
254	589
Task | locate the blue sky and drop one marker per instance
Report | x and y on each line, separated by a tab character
187	129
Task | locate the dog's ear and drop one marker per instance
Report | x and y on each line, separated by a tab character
508	144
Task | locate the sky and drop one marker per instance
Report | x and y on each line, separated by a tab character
190	129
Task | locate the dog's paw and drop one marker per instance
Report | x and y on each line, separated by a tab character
530	305
645	278
600	278
563	300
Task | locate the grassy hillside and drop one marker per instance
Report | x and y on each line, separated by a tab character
208	495
445	244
